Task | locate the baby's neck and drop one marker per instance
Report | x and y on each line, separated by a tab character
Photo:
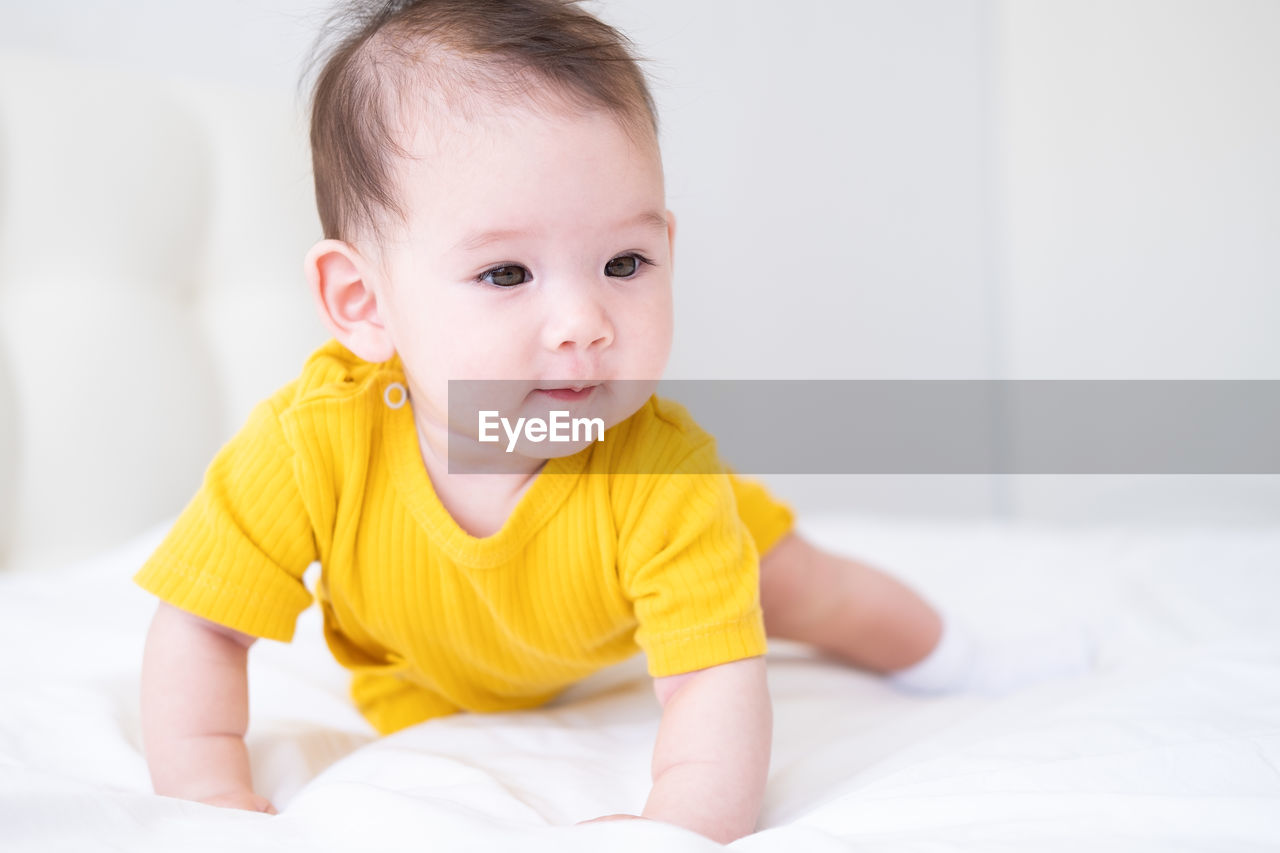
480	504
482	510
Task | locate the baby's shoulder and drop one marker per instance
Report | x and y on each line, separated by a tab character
661	437
660	444
334	374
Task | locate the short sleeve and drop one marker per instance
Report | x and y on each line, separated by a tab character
767	517
237	553
691	571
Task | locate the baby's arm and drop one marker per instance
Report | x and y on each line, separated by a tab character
195	710
711	759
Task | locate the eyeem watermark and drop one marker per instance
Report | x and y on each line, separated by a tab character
537	429
917	426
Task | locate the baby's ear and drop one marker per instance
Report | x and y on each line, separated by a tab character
338	276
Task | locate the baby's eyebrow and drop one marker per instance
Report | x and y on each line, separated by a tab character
651	219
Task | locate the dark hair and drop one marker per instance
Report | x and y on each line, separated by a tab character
388	60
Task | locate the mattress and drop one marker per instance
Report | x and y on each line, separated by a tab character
1174	740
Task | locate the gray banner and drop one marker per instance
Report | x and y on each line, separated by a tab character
931	426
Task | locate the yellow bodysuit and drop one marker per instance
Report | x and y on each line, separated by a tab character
590	567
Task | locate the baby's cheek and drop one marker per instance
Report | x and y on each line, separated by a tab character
657	351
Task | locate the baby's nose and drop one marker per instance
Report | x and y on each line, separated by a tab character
578	321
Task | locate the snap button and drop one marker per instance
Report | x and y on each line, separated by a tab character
386	395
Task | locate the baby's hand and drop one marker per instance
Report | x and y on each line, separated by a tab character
612	817
240	799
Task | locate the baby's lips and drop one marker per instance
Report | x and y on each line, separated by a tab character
569	384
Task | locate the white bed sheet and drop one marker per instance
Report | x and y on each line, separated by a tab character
1173	742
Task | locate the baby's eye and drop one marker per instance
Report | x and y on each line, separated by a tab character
623	269
506	276
511	275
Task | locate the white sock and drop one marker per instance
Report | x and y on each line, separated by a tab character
964	661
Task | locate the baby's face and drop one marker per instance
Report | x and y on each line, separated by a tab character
574	287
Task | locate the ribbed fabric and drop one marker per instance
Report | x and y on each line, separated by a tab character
591	566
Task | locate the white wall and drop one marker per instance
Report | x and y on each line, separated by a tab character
253	43
1139	218
826	163
924	189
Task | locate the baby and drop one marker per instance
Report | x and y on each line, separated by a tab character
491	192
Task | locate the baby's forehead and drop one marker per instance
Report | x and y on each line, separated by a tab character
481	146
445	134
460	103
446	123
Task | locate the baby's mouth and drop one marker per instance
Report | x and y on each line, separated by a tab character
577	387
569	392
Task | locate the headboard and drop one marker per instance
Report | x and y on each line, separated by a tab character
151	292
